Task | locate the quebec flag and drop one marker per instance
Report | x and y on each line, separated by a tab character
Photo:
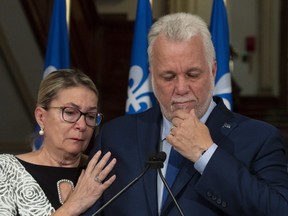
57	52
140	95
220	37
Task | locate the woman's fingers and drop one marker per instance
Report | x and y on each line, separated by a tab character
92	163
100	168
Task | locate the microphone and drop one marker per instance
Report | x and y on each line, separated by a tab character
155	161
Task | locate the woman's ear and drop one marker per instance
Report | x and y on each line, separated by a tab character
40	116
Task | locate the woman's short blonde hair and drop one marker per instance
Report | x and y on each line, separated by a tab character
59	80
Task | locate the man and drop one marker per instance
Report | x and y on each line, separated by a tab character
229	164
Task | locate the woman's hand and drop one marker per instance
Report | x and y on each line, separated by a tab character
90	186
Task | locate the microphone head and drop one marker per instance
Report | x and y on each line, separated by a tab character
159	156
156	160
162	156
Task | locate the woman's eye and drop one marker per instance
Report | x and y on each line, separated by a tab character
70	112
91	116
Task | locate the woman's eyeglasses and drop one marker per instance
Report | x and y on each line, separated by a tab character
72	115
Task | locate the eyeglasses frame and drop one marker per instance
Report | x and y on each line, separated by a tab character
62	108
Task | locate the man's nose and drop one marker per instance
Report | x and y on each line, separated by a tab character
182	85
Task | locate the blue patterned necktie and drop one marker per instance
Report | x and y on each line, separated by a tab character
173	167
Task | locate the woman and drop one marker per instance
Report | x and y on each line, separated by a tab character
52	180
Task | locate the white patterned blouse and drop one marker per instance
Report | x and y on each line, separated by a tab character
19	192
28	189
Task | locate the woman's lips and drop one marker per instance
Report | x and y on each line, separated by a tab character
77	139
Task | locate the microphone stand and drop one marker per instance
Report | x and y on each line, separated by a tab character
157	163
123	190
169	191
154	162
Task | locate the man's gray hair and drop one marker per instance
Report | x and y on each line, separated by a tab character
182	27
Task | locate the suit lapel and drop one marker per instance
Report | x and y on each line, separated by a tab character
185	175
148	133
221	123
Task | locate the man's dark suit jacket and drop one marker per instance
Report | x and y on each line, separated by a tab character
247	174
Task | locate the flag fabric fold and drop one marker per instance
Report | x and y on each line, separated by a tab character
140	95
219	29
57	52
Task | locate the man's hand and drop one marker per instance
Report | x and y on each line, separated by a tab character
188	135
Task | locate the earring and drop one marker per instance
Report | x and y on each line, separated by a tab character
41	132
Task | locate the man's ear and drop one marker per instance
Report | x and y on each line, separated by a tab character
214	69
40	116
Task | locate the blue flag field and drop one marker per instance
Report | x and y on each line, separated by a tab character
57	52
220	36
140	95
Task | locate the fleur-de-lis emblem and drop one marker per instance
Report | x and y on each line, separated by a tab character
139	91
